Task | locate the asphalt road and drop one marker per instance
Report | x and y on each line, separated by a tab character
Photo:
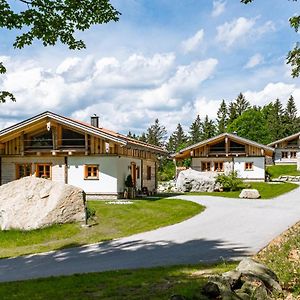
228	229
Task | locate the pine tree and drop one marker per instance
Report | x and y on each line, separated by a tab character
208	128
232	113
156	134
241	104
222	118
143	137
195	132
177	140
290	120
274	118
129	134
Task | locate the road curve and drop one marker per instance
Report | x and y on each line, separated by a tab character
228	229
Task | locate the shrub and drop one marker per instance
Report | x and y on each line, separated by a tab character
90	213
230	182
128	181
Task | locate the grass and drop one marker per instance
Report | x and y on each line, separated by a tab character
278	170
156	283
112	221
266	190
283	257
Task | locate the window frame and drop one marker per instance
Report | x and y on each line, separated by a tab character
218	169
293	154
249	166
284	154
44	165
17	165
205	168
86	171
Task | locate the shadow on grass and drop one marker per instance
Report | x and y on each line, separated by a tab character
118	254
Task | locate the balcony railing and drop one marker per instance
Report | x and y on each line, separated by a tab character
48	144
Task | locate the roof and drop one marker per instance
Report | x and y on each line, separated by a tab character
220	136
99	132
290	137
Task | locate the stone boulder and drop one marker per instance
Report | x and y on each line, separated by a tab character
194	181
249	194
31	203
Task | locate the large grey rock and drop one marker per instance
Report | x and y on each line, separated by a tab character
31	203
194	181
250	267
249	194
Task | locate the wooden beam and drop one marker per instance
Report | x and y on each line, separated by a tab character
86	141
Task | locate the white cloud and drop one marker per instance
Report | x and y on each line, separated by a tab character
218	8
242	29
204	107
254	61
272	91
185	81
193	42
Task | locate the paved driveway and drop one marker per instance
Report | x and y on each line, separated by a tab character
227	229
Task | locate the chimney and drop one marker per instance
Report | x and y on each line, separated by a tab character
235	132
95	120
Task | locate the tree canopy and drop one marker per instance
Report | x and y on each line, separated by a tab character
52	21
293	57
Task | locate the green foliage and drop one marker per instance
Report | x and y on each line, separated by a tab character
208	128
177	140
156	134
55	20
166	170
128	181
90	213
195	132
222	118
293	57
251	125
230	182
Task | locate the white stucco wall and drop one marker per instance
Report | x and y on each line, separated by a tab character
8	167
258	171
298	161
123	164
108	174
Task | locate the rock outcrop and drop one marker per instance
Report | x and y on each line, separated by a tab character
249	194
250	280
31	203
194	181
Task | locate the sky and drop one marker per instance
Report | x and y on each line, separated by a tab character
165	59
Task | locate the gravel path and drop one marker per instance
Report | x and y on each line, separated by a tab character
227	229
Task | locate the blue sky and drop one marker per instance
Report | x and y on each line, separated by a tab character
164	59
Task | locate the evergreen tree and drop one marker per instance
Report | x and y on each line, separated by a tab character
177	140
129	134
290	120
143	137
222	117
208	128
241	104
195	132
232	113
274	119
156	134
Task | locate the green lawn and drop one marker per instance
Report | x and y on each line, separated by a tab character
112	221
266	190
155	283
278	170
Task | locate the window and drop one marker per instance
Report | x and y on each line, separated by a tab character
43	171
293	154
137	172
148	173
206	166
248	166
218	166
23	170
91	172
284	154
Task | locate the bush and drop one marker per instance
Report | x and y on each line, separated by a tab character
128	181
90	213
230	182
